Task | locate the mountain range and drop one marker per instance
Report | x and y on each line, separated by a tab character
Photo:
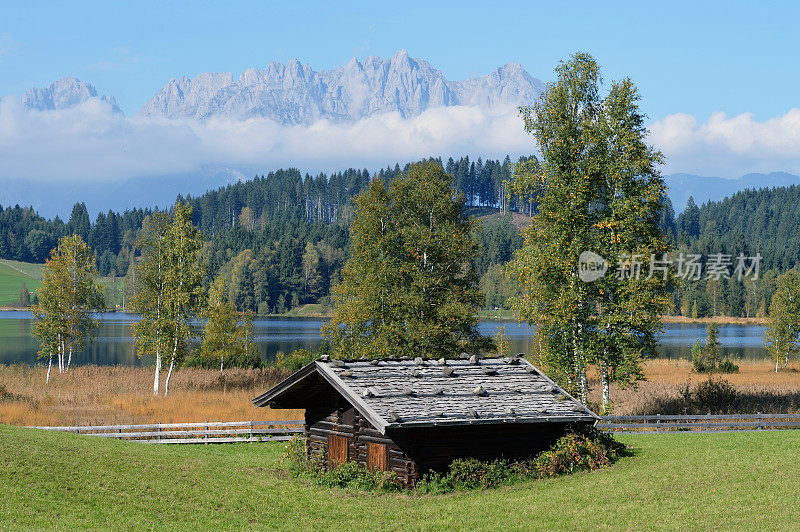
293	93
296	94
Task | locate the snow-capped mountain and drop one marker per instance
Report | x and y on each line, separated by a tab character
296	94
62	94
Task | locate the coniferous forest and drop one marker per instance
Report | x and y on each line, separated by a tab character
280	240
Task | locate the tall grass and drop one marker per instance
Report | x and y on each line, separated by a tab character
758	388
89	395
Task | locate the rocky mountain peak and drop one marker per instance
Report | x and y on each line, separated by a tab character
62	94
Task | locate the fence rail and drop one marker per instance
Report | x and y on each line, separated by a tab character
707	423
283	430
210	432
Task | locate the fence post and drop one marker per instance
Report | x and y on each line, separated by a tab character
205	436
251	430
158	429
658	422
759	421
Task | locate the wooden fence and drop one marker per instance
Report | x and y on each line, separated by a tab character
708	423
209	432
283	430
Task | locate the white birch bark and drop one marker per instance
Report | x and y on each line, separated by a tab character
49	367
606	384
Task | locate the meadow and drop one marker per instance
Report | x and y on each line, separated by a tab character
671	481
12	275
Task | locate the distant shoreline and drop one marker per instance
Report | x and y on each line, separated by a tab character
502	315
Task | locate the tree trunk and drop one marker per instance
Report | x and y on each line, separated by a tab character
169	374
606	384
158	372
69	359
49	367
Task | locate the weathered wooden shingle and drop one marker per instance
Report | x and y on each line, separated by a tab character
400	394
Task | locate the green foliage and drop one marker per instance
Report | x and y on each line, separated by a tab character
351	475
709	358
577	452
169	291
295	360
227	335
727	366
68	296
407	287
782	336
24	298
602	193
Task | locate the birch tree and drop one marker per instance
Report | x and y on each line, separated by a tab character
782	336
169	292
600	193
183	284
68	297
150	274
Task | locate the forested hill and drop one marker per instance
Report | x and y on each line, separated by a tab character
278	239
764	221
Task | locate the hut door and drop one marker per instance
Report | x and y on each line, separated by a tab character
376	457
337	450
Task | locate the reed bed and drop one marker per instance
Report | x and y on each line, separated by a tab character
92	395
89	395
758	389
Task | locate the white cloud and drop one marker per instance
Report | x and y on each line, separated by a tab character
729	146
89	142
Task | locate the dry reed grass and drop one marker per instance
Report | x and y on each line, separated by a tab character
759	387
89	395
115	395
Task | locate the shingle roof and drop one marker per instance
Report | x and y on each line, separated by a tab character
397	394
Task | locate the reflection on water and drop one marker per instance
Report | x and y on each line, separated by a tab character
114	342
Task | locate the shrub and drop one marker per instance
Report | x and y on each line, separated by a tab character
294	360
713	395
726	366
296	457
577	452
469	473
351	475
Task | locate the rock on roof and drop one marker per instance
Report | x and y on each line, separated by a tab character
397	394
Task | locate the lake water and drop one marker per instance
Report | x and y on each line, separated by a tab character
114	342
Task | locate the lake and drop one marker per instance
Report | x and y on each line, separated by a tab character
114	342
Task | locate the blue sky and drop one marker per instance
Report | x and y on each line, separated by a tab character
689	57
719	80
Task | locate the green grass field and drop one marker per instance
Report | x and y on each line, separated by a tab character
12	275
672	481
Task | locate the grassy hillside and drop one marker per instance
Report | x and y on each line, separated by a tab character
12	275
698	481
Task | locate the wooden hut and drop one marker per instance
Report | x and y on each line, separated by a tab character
413	416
